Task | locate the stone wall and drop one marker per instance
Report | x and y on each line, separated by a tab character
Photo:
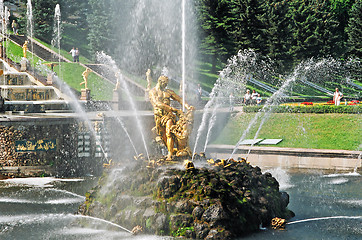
50	144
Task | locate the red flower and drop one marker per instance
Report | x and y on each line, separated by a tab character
307	103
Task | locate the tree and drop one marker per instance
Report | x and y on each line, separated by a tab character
314	29
75	12
248	25
278	31
43	14
354	30
216	23
341	9
101	27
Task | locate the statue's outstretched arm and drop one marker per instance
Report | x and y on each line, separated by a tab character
179	100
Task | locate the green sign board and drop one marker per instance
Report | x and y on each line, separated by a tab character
35	145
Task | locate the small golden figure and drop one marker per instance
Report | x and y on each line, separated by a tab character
173	126
85	78
25	48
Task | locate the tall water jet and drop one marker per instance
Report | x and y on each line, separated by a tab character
183	86
311	70
152	37
3	27
29	25
232	79
108	61
6	22
57	31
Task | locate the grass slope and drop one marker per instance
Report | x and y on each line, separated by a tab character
72	73
320	131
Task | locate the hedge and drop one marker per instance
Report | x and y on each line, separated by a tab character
351	109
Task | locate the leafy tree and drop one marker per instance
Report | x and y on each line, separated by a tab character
341	9
278	31
313	29
43	14
354	30
216	23
248	25
75	12
101	33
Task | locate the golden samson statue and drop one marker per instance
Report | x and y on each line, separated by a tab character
173	126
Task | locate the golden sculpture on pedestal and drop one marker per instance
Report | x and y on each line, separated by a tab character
173	126
85	78
85	92
25	48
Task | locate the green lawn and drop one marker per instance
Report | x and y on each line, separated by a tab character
320	131
72	73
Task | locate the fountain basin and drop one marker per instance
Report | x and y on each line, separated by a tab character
302	158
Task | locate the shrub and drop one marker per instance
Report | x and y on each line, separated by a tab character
350	109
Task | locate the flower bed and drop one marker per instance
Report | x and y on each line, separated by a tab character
350	109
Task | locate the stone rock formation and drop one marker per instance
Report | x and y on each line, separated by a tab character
220	201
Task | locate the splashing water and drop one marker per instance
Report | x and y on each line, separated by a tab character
232	79
30	25
282	176
14	221
324	218
211	124
108	61
73	102
57	31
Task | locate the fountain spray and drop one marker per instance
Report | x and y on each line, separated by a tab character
108	61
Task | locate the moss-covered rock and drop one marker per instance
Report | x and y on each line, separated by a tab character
215	202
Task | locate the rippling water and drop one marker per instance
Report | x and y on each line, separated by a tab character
43	208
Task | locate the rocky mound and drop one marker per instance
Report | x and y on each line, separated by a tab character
221	201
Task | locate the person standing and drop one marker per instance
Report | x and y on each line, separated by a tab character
14	25
254	95
73	54
258	100
77	55
247	97
231	101
199	92
337	96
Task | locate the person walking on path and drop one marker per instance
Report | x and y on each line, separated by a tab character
73	52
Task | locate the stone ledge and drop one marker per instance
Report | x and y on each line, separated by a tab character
292	157
27	171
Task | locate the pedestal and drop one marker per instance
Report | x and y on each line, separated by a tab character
50	78
23	64
116	100
85	94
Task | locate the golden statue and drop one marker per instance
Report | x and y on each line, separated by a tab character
149	79
25	48
173	126
118	75
85	77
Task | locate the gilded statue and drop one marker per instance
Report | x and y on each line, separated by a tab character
25	48
85	78
118	75
173	126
